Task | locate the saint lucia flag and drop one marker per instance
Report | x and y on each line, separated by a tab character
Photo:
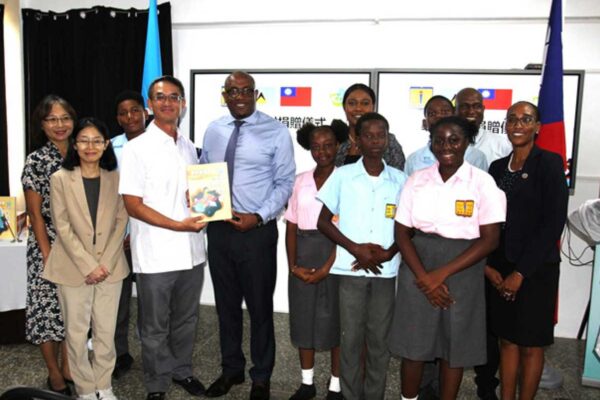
552	132
152	60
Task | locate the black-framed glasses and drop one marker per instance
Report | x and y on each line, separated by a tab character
236	92
525	120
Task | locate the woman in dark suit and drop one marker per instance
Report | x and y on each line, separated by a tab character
525	267
87	262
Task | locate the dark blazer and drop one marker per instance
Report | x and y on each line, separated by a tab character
74	254
536	210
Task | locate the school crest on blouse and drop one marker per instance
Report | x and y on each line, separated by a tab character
464	208
390	210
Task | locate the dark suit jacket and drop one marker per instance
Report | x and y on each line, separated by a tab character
74	254
536	210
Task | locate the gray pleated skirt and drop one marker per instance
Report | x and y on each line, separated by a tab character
314	308
421	332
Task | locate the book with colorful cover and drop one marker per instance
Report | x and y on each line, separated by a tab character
209	195
8	218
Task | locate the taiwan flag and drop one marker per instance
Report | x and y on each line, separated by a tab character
552	132
295	96
496	99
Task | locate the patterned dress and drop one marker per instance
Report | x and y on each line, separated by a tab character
42	312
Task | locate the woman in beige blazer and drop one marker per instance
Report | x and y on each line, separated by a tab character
87	261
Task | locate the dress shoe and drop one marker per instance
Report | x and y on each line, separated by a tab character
156	396
122	365
223	384
66	390
260	391
334	395
305	392
192	385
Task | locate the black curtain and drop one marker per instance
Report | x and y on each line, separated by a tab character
88	56
4	189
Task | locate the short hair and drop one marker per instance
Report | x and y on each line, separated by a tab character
437	97
128	95
305	133
536	111
371	116
468	129
166	78
359	86
41	111
108	161
240	73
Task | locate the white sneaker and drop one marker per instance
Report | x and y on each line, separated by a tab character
106	394
89	396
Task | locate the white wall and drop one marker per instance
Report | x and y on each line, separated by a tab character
462	34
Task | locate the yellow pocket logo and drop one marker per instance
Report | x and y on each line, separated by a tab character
390	210
464	208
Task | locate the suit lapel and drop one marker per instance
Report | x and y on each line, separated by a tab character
79	196
105	189
526	174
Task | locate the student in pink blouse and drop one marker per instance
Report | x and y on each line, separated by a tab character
313	293
447	221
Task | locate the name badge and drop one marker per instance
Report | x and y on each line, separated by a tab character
390	210
464	208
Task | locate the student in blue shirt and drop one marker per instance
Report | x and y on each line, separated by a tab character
364	196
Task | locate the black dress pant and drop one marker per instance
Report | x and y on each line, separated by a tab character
243	266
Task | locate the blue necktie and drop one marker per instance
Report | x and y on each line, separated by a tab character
230	150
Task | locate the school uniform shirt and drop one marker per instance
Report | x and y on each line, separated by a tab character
453	209
366	207
153	167
303	207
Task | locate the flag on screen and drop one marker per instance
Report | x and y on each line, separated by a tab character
496	99
552	132
152	60
295	96
419	95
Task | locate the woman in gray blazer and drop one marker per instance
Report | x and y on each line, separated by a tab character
87	261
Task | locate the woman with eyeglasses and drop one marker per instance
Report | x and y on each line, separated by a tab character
51	127
87	262
525	267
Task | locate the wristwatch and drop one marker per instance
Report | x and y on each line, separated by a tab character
259	220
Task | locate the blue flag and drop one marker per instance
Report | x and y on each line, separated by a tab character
152	60
552	132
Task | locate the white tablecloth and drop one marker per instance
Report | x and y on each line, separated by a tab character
13	275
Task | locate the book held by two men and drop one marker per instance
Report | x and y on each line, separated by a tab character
209	194
8	218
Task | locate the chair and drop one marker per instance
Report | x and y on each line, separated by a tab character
30	393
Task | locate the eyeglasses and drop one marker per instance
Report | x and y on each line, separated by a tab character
94	142
236	92
162	98
526	120
53	121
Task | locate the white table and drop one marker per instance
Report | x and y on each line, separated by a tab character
13	275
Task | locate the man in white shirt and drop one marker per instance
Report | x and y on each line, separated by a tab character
167	245
469	105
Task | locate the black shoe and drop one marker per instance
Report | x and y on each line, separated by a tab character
66	390
122	365
305	392
260	391
334	395
156	396
191	385
490	395
223	384
428	393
